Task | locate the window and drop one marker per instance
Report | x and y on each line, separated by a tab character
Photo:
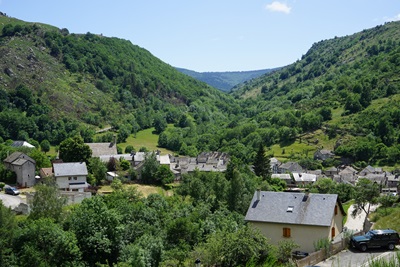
75	178
286	232
69	178
335	209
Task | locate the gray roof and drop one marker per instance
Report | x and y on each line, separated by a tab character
283	176
317	209
21	143
99	149
291	166
18	155
106	158
70	169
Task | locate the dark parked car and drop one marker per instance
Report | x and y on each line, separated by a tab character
376	239
11	191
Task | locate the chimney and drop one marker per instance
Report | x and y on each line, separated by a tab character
306	196
258	194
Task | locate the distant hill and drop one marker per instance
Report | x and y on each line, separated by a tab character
225	81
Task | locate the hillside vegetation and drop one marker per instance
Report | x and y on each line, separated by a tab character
347	86
342	95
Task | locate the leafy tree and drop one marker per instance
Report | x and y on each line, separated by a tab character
262	166
129	149
42	161
123	133
234	248
150	168
7	233
353	103
44	243
344	191
324	186
310	121
98	169
45	146
366	193
98	231
74	149
124	164
165	175
47	202
113	164
236	192
160	124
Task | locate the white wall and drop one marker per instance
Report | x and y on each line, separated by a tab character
303	235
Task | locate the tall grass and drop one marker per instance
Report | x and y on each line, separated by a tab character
393	261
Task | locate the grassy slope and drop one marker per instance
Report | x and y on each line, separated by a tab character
146	138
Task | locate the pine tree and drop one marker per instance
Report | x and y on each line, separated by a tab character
262	166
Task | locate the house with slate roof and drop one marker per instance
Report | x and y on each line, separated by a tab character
23	166
71	176
323	154
290	167
100	149
371	170
303	218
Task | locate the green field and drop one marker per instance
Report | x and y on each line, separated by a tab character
146	138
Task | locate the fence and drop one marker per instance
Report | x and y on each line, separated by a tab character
320	255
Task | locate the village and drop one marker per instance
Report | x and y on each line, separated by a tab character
295	214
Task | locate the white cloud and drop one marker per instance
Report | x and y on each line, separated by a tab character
395	18
278	7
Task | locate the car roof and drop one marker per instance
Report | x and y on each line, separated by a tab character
383	231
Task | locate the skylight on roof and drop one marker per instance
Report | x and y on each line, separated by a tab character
290	209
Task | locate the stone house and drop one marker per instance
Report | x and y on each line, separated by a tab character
24	168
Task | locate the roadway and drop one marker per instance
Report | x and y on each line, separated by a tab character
10	201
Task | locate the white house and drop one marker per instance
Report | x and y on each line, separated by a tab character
71	176
303	218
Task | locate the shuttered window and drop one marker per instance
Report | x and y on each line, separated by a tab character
286	232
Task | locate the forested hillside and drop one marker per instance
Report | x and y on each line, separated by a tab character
57	84
348	87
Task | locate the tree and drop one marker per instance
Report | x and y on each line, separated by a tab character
262	164
123	133
234	248
44	243
74	149
150	168
98	169
129	149
98	231
45	146
47	202
7	233
164	175
42	161
160	124
366	193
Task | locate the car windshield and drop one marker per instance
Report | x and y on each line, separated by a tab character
370	234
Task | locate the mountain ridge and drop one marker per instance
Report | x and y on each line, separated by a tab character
225	80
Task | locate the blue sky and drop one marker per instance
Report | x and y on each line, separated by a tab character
213	35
